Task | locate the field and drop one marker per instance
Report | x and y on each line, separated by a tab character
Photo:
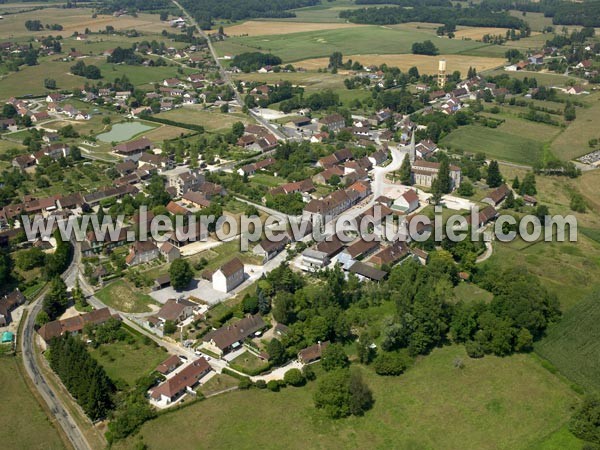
499	403
477	33
495	143
543	78
217	383
128	361
122	297
76	20
29	79
573	142
573	345
350	41
24	423
425	64
196	115
263	28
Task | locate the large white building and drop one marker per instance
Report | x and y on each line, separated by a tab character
229	276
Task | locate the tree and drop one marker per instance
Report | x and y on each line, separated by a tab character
335	60
334	357
181	274
494	177
250	304
56	299
424	48
169	327
50	83
578	203
276	351
585	423
341	393
516	185
405	173
294	377
528	185
391	363
570	113
466	189
444	180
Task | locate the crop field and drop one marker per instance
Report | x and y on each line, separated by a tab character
477	33
425	64
573	344
310	80
495	143
264	28
487	404
76	20
537	21
349	41
24	423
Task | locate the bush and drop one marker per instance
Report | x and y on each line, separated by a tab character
261	384
273	385
391	363
585	424
474	349
309	373
294	377
245	383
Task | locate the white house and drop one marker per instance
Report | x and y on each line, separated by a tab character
229	276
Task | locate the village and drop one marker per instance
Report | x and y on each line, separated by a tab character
158	114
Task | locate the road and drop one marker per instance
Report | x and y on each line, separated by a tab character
56	406
225	76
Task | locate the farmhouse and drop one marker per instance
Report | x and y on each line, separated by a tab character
407	202
365	272
230	337
333	122
391	254
176	310
168	365
484	216
313	353
229	276
169	252
74	324
497	196
181	382
141	252
270	249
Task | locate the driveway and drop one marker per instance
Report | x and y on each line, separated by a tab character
201	289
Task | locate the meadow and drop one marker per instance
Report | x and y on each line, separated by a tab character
24	423
490	403
573	344
123	297
197	115
129	360
495	143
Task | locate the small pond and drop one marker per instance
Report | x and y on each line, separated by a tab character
123	132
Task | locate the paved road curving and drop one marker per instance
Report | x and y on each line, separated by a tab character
55	404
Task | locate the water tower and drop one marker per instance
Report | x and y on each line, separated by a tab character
441	73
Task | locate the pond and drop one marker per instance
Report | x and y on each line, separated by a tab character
123	132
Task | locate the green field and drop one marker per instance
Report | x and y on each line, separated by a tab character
573	142
543	78
492	403
129	361
468	292
573	345
196	115
24	423
495	143
122	297
349	41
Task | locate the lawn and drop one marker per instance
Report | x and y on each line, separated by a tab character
350	41
492	403
24	423
248	362
122	297
543	78
129	360
495	143
218	383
